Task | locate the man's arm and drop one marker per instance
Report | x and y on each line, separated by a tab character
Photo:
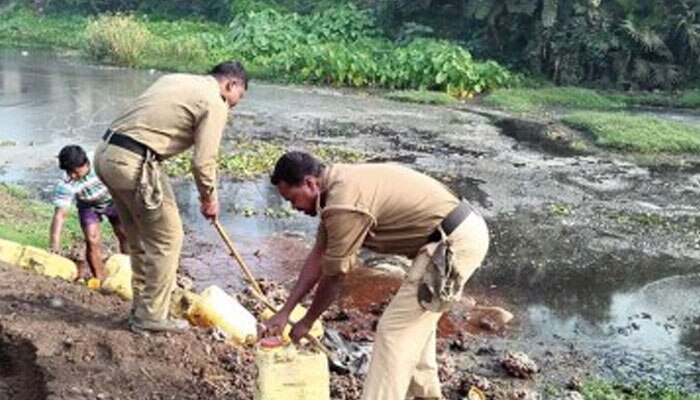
59	216
343	233
308	277
207	138
327	292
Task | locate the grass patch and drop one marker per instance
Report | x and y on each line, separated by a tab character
248	159
685	99
644	134
689	99
27	221
532	100
642	99
599	390
24	28
421	97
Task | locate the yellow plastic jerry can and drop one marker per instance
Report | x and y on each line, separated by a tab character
284	372
216	308
118	280
45	263
10	252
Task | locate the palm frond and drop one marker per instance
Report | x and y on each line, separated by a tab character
647	38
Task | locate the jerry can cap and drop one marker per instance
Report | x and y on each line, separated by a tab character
271	342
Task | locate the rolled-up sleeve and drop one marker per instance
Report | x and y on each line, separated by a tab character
342	233
207	138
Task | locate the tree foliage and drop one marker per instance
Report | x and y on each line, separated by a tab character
650	44
629	43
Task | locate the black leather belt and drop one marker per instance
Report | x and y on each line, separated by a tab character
128	143
452	221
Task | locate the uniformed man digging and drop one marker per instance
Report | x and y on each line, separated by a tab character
389	209
177	112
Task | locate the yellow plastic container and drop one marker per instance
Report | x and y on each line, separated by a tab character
290	374
182	301
45	263
93	283
216	308
118	280
10	252
298	313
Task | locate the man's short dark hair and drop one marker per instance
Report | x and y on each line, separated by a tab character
293	166
230	69
72	157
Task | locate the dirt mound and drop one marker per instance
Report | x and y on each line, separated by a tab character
20	376
62	341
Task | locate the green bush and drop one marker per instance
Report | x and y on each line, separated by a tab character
429	64
118	39
342	24
266	33
340	46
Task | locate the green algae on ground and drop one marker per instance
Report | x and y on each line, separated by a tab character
249	159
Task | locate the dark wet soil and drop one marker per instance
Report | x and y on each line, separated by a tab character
63	341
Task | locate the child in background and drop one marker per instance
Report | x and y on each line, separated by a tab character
82	186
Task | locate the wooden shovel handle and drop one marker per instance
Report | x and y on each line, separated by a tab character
237	256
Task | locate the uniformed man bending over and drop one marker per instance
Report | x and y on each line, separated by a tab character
389	209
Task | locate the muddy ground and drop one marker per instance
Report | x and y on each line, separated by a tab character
60	340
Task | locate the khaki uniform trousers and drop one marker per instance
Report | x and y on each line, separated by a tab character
154	236
403	358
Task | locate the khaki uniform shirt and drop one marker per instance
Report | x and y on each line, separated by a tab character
384	207
175	113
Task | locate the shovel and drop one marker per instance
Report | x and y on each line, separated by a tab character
260	296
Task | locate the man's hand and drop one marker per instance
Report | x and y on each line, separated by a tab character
275	325
210	209
300	330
